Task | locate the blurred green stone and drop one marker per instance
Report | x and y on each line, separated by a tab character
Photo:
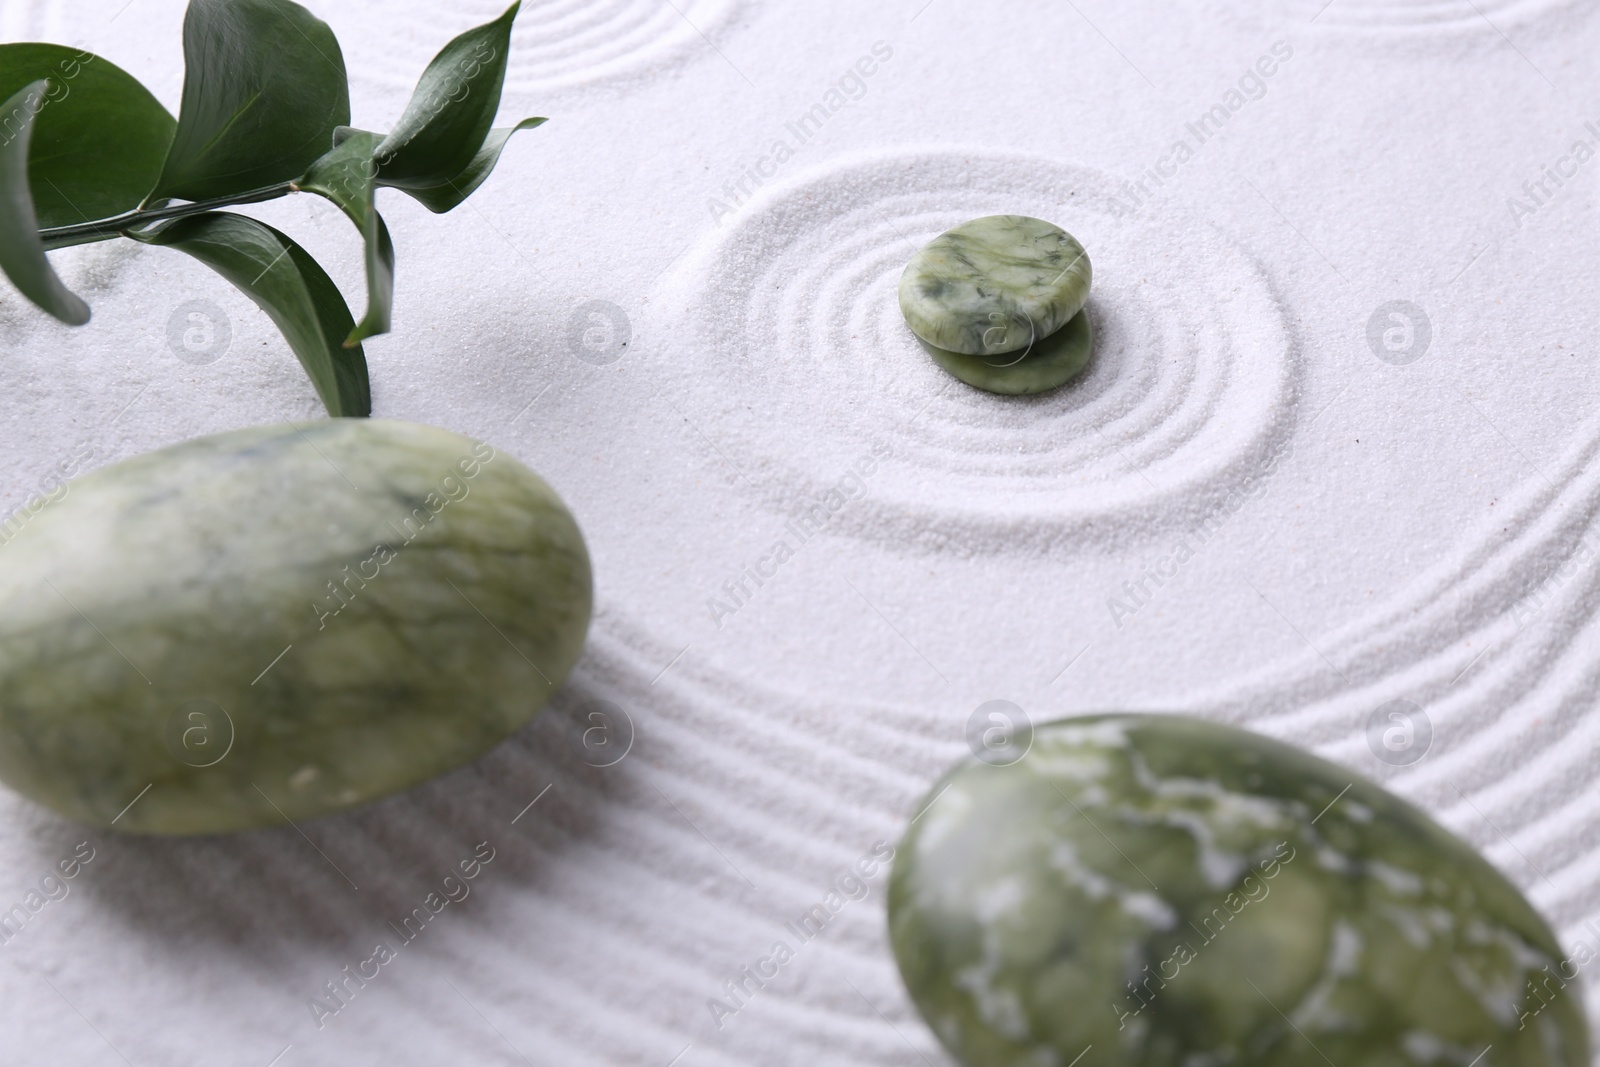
280	623
1155	891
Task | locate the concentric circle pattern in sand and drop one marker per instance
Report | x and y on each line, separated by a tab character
1490	18
792	306
560	43
1493	648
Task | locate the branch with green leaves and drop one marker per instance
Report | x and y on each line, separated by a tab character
88	154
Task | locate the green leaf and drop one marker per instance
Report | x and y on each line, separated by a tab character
21	252
286	283
452	110
449	194
100	140
344	176
263	91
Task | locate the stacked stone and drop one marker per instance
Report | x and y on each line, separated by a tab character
998	302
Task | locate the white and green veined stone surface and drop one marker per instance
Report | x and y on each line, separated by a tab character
998	284
281	622
1167	892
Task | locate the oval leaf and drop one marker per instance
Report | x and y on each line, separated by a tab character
450	194
98	142
344	176
286	283
21	252
452	110
263	90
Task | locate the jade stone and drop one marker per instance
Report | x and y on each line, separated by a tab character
1046	365
279	623
995	285
1160	891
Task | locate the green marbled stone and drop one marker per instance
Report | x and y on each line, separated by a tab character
1167	892
1047	365
995	285
170	582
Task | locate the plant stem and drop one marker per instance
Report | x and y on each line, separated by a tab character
120	223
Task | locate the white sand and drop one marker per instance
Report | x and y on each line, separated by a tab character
1371	532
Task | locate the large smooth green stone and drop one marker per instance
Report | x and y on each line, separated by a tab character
995	285
1167	892
435	593
1047	365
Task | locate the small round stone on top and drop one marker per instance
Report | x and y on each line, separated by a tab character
994	285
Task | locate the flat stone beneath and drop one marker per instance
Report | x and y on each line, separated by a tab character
1047	365
994	285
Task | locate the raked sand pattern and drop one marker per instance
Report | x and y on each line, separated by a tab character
597	976
679	863
564	44
560	44
1191	389
1489	646
1491	18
